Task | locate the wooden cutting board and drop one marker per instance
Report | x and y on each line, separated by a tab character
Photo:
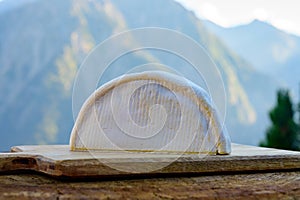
59	161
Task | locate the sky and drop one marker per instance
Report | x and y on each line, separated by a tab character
283	14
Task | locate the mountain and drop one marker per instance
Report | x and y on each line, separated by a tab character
268	49
40	55
7	5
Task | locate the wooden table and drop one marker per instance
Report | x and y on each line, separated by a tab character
274	185
249	173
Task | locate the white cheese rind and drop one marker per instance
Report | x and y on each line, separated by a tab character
150	111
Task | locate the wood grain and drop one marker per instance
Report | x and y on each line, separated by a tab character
275	185
58	161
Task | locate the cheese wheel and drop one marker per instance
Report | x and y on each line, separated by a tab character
150	111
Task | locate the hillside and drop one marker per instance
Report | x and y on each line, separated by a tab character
268	49
41	53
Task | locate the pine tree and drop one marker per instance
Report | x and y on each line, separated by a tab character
284	132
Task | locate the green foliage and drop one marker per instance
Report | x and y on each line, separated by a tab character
284	132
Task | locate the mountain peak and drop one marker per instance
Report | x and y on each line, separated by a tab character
257	22
256	26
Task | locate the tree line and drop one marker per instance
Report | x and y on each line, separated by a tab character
284	132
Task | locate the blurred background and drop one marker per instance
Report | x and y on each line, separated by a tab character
255	45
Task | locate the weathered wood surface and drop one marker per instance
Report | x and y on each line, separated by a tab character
279	185
58	161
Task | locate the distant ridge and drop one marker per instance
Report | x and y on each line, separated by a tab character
270	50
